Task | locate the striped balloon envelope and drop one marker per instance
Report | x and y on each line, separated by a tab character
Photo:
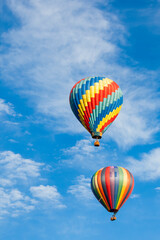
112	186
96	102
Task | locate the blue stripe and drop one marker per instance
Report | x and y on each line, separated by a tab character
87	85
74	105
92	82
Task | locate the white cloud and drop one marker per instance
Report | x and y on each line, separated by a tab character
13	203
148	168
48	193
30	144
12	140
82	188
11	123
14	166
5	182
6	108
134	196
157	188
50	51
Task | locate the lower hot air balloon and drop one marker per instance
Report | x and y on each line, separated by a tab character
112	186
96	102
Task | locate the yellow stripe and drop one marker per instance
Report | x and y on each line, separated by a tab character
88	96
108	117
80	116
123	188
84	100
96	87
80	110
92	91
101	85
107	81
82	105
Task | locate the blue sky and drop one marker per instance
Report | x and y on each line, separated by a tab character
46	157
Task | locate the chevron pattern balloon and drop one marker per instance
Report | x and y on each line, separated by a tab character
112	186
96	102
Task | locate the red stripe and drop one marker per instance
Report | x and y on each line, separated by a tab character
109	89
107	180
106	91
112	184
88	113
97	98
86	120
93	103
90	107
108	122
101	94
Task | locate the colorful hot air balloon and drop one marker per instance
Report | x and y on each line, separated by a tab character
112	186
96	102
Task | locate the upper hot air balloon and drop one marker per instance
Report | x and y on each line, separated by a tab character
96	102
112	186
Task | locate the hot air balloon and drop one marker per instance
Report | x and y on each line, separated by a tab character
112	186
96	102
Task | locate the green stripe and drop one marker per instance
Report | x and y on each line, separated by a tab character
121	178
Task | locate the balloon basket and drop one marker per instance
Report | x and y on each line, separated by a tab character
113	218
96	143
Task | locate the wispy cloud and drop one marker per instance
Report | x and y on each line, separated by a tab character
134	124
12	140
151	16
81	189
148	167
135	196
10	119
85	155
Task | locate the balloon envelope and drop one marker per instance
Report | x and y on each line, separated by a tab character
112	186
96	102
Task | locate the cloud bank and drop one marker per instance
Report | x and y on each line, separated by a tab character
17	195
